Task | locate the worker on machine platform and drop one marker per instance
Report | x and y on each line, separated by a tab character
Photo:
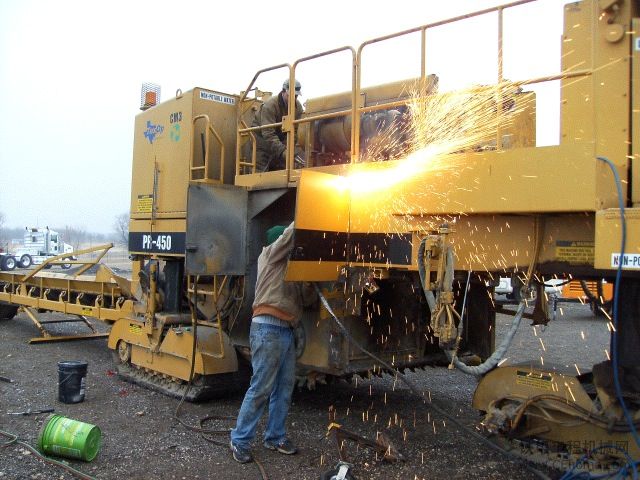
277	308
271	142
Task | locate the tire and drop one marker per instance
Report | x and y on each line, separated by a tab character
25	261
7	312
8	263
65	266
123	352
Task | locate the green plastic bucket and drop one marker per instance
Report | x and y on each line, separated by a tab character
69	438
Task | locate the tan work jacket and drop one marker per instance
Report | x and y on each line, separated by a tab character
274	296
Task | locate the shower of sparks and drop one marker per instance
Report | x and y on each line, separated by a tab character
570	392
421	141
542	344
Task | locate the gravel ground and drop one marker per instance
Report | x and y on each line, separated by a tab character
142	439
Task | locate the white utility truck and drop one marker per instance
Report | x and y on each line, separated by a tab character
40	244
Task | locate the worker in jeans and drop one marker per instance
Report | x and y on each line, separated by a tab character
277	308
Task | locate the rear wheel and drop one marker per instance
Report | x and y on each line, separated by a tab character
25	261
124	352
8	263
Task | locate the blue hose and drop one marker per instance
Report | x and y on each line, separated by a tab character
616	295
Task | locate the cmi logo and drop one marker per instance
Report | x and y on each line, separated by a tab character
152	131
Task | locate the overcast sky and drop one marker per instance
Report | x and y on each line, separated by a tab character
71	72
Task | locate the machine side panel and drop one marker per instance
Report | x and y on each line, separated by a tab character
596	106
322	215
221	109
216	230
160	160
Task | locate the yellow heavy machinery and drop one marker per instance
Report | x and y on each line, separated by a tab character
412	203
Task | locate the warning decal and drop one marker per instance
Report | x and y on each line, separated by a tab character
535	380
575	252
145	203
135	329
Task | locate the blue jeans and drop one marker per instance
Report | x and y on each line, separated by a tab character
273	359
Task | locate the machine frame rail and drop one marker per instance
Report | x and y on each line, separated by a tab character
104	296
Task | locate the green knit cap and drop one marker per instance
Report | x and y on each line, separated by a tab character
273	233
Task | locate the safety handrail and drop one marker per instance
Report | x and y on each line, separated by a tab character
291	138
355	111
290	113
239	133
205	167
355	129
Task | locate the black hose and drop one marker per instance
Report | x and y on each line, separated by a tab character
13	439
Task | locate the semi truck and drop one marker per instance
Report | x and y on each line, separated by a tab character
40	244
404	230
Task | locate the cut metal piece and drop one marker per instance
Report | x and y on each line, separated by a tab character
382	444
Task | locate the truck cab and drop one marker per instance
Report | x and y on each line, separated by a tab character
40	244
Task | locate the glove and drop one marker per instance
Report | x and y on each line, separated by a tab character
298	159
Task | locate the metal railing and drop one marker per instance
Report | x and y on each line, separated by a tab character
208	130
356	110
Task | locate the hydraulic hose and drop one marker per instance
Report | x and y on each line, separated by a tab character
491	362
616	294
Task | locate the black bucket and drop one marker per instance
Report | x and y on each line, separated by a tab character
71	376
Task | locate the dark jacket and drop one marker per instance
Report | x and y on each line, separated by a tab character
271	142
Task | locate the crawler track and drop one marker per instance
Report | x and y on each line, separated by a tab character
202	388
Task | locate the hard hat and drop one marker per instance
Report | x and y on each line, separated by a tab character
285	86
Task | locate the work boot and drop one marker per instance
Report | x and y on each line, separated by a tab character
285	446
240	454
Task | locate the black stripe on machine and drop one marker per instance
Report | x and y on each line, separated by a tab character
380	248
157	242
